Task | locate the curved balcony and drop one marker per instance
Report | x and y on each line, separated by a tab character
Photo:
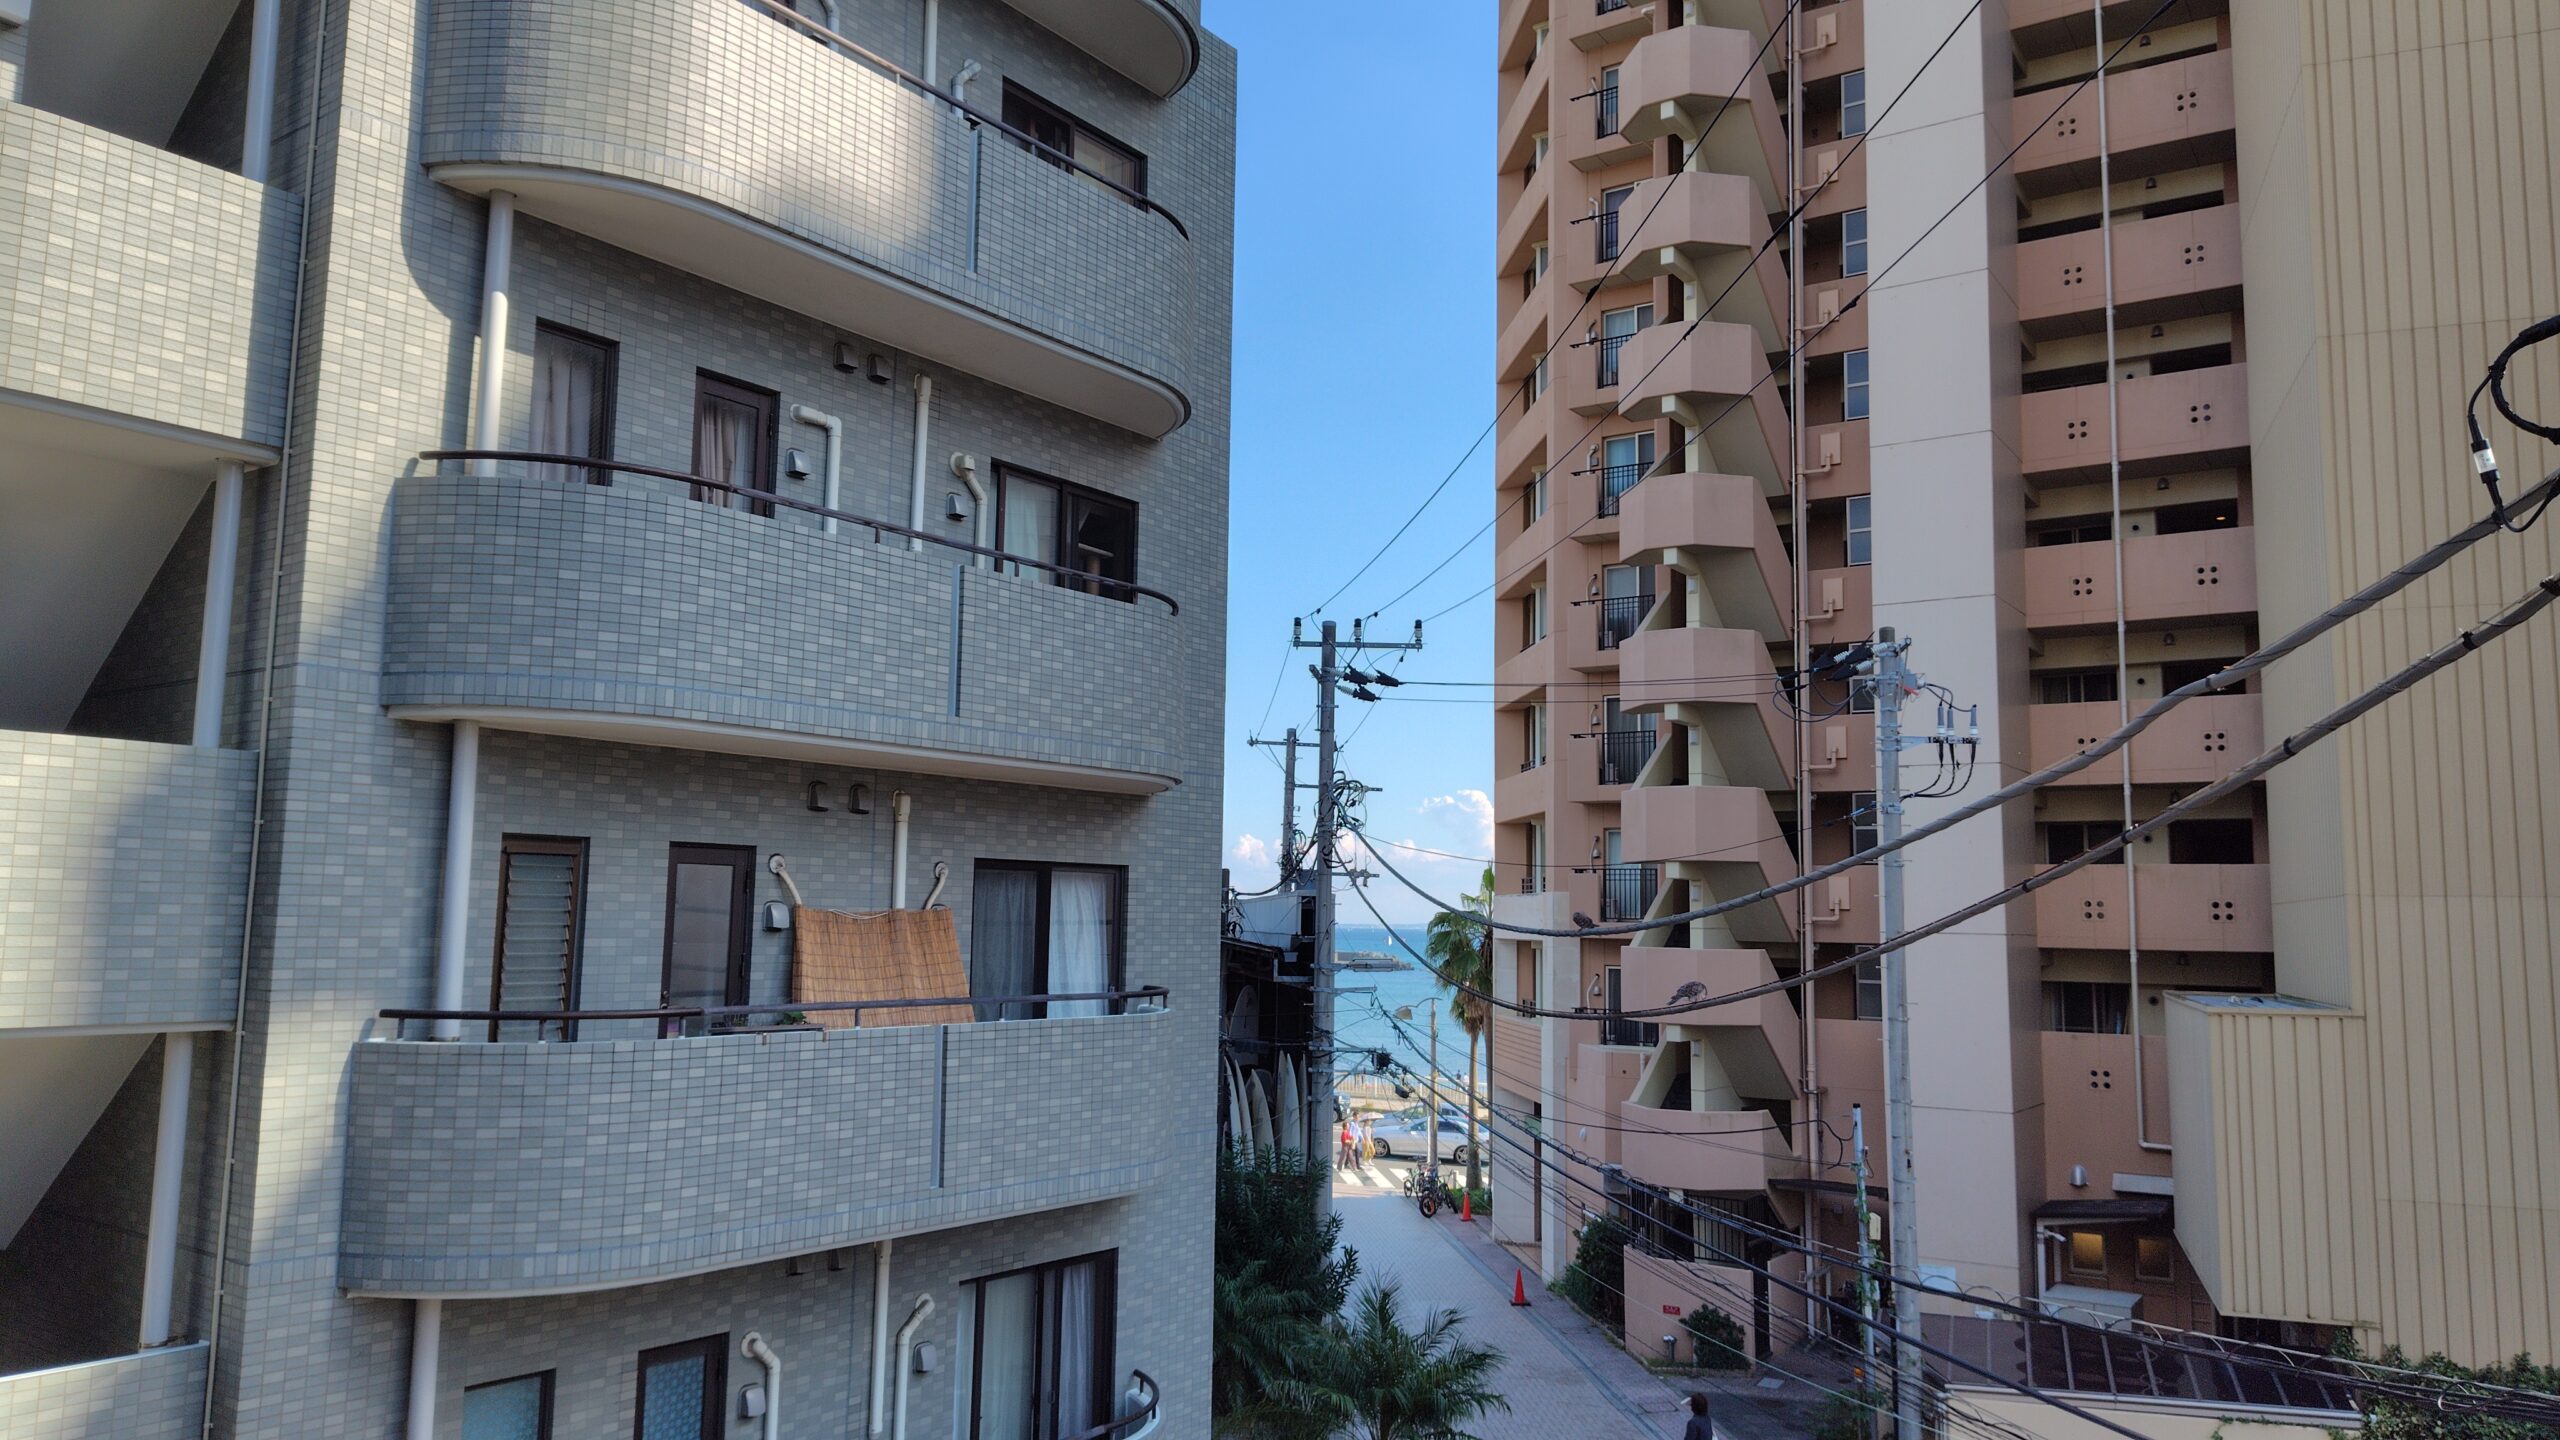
1675	81
1720	681
1718	529
519	1169
124	869
1704	228
1758	1041
2198	743
1726	1152
147	1395
606	612
721	139
1724	836
1155	43
1713	380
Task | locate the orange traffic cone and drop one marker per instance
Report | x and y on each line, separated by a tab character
1467	1205
1519	1287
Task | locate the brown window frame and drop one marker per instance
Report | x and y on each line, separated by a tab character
768	407
509	847
1106	1336
1020	104
611	350
715	1383
550	1382
741	921
1122	588
1045	869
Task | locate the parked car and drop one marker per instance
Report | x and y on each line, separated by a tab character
1411	1136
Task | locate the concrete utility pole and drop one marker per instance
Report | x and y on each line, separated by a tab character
1328	672
1288	746
1889	679
1866	1245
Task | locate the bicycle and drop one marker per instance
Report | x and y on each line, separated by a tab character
1429	1191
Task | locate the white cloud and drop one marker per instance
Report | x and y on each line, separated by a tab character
1251	850
1474	808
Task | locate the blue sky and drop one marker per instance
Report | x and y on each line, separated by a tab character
1363	363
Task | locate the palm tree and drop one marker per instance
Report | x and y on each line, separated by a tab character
1390	1383
1462	952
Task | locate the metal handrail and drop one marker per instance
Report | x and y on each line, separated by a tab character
1117	1429
1619	617
1605	111
976	116
877	528
1605	356
1616	481
1623	754
706	1013
1605	233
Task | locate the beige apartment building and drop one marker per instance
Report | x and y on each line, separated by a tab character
2189	367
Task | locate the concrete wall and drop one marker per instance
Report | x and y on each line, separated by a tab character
123	870
156	1395
183	311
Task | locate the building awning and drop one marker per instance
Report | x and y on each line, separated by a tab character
2122	1209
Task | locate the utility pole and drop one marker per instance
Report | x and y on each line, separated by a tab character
1288	746
1321	1119
1866	1246
1889	679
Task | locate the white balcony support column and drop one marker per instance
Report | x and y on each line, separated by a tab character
213	639
454	918
426	1342
168	1167
258	128
497	261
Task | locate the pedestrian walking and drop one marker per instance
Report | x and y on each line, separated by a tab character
1347	1150
1700	1427
1368	1139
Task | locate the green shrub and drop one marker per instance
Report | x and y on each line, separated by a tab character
2391	1419
1718	1339
1596	1281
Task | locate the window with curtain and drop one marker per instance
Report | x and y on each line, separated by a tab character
1041	1358
516	1409
541	894
573	378
1037	929
733	427
1083	532
1059	135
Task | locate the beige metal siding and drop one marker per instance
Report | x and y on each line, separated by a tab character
2397	177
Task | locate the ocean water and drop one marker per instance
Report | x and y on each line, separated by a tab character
1359	1021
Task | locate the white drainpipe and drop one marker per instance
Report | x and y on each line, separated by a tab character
835	457
906	1338
960	81
426	1338
899	805
879	1411
258	130
213	638
932	41
462	790
924	421
495	263
758	1351
965	465
168	1163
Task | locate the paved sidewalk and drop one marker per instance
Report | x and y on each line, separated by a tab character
1564	1378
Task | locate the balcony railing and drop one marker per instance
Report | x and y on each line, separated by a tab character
1610	7
1619	617
1623	753
675	1020
761	502
1615	1031
1604	351
1604	232
1605	118
1628	891
1617	480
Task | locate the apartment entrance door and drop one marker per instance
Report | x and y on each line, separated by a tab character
710	892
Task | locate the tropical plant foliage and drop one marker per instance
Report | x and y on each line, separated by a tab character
1279	1279
1370	1373
1462	952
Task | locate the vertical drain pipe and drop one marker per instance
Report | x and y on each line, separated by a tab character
426	1341
834	483
168	1165
2115	529
924	425
878	1413
453	917
496	263
899	806
213	638
1799	523
258	127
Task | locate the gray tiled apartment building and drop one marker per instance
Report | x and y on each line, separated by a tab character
301	725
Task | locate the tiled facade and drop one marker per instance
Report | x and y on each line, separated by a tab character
2067	524
392	577
154	1396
